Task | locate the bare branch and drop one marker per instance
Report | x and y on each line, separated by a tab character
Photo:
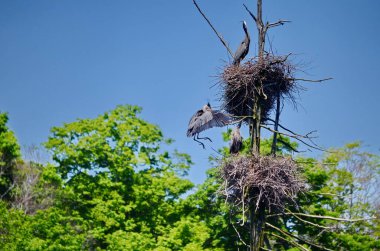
278	23
291	242
296	237
237	232
216	32
250	13
278	108
281	60
295	134
311	223
8	190
263	248
323	217
287	145
298	137
311	80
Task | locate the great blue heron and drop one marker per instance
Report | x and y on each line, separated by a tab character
243	49
236	143
204	119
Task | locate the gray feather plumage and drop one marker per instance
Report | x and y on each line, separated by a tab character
205	119
236	143
243	49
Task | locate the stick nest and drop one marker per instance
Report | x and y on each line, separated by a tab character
269	181
257	79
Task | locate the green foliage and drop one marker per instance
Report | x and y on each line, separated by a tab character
119	182
114	187
9	154
337	185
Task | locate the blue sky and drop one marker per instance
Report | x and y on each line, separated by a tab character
63	60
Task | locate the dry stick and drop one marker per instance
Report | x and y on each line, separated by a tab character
282	60
315	163
265	249
285	134
310	80
278	23
237	232
267	243
216	32
311	223
289	146
298	238
297	138
290	241
250	13
332	194
278	108
306	136
296	134
323	217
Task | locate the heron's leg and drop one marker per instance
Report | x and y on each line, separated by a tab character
203	145
203	138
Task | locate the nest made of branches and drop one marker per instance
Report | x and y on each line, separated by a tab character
263	80
268	181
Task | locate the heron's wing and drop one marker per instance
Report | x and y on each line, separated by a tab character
211	119
195	117
193	123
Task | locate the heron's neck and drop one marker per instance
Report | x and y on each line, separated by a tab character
247	34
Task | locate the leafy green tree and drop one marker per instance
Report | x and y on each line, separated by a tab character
9	154
341	192
342	187
126	190
113	187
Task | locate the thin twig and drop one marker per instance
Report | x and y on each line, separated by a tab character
290	241
324	217
297	138
250	13
296	134
278	23
237	232
311	223
296	237
287	145
281	60
216	32
310	80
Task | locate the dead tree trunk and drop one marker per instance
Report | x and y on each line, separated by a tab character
257	209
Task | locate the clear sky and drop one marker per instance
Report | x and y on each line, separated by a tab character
63	60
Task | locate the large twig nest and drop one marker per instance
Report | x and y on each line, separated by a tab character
263	79
269	181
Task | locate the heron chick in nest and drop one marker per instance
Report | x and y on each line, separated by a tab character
236	143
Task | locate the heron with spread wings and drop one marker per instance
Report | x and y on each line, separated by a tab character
204	119
243	49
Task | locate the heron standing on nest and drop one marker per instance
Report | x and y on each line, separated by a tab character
243	49
204	119
236	143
